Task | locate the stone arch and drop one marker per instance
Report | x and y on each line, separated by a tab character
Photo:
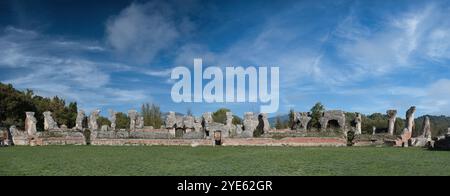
336	117
333	124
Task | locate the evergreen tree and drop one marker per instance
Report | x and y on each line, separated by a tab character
316	114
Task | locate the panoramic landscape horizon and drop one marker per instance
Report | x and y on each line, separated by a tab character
220	96
358	56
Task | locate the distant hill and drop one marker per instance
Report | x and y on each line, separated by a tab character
272	120
164	114
439	124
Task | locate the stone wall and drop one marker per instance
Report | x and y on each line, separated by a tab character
334	142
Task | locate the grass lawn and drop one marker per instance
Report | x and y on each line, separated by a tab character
234	161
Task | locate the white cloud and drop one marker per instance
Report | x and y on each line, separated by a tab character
141	31
65	73
400	40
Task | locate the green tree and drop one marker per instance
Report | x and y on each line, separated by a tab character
237	120
103	121
399	125
152	115
278	123
316	114
122	121
220	116
291	118
14	104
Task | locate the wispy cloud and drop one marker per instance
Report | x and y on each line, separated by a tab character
65	74
143	30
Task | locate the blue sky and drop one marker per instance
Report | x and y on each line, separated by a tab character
359	56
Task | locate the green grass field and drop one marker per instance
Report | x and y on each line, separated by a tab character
232	161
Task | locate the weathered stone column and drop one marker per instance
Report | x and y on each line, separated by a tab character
392	115
266	123
358	121
304	119
169	123
113	118
49	123
250	122
132	114
427	129
207	120
140	122
30	124
79	121
93	126
410	118
229	119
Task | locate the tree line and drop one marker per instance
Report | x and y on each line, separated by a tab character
14	103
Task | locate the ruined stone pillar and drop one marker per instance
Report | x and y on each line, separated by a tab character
30	124
49	123
427	129
79	121
358	121
229	119
93	126
169	123
207	120
250	122
266	124
410	118
140	122
112	118
303	118
392	115
132	114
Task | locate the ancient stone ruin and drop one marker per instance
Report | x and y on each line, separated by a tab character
405	138
441	142
358	121
335	118
410	118
93	126
249	124
301	120
133	115
30	124
392	115
112	119
203	130
49	123
81	116
425	138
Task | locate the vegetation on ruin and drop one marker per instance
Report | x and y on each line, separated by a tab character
229	161
220	116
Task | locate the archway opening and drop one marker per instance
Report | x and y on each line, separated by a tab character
333	125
